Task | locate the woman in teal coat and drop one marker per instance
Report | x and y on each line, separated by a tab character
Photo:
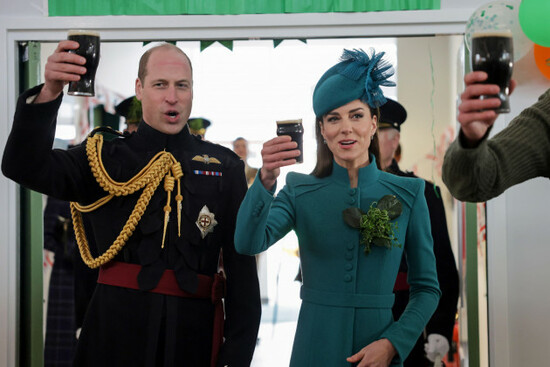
353	223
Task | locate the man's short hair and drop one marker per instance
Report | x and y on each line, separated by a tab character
144	60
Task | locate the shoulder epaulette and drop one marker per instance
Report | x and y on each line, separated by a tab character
105	129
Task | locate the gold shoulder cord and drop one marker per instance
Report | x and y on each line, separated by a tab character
162	165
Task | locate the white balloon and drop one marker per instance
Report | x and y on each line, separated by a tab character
499	16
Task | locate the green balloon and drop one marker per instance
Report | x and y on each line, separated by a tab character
533	18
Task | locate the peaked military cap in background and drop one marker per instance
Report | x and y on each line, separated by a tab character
392	114
357	76
130	109
198	125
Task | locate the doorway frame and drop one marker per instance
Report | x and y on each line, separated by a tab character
184	27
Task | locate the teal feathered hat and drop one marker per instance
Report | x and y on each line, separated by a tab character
357	76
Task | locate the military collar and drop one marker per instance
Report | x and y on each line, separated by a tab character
152	139
393	167
367	175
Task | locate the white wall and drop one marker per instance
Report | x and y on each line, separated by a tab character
518	251
427	89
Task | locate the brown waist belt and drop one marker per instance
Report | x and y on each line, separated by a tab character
121	274
401	282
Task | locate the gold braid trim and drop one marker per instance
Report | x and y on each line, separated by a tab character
149	177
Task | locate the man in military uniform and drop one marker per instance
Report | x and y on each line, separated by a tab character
162	205
439	330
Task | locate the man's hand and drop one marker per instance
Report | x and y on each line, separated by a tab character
276	153
62	67
475	115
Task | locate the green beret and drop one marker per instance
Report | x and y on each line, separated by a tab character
356	76
130	109
392	114
198	125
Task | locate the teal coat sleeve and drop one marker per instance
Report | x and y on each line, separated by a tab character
422	278
262	219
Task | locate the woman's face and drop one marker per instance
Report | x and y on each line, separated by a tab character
348	131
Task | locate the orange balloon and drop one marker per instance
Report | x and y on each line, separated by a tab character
542	58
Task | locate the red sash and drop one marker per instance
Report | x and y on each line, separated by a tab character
401	282
121	274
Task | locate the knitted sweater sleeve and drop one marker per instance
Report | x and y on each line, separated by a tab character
518	153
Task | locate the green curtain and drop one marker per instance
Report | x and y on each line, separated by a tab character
223	7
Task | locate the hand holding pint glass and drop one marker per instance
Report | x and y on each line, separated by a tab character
492	52
295	130
89	49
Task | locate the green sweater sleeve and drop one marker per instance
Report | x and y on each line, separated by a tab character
518	153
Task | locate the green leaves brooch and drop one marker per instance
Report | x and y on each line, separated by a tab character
375	226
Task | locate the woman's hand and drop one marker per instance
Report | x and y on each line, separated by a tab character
276	153
376	354
476	115
62	67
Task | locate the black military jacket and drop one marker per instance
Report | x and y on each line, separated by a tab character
125	327
443	319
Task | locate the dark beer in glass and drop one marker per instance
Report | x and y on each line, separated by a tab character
295	130
493	53
89	49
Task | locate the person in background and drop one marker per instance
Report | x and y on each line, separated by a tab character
159	214
198	126
476	168
397	155
130	109
439	330
240	146
60	342
349	266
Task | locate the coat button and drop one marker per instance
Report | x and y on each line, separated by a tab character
349	266
352	191
350	246
347	278
351	201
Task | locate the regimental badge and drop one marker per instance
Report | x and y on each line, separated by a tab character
206	159
206	221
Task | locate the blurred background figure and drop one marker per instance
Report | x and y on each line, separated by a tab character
198	126
59	238
130	109
397	155
439	330
240	146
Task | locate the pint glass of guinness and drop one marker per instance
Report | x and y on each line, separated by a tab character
295	130
88	48
493	53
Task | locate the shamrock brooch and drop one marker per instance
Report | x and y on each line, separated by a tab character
375	226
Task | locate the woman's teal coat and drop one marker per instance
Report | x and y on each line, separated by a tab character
347	296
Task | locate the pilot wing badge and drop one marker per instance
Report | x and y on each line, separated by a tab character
206	159
206	221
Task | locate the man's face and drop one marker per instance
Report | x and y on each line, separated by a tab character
166	93
388	140
240	147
